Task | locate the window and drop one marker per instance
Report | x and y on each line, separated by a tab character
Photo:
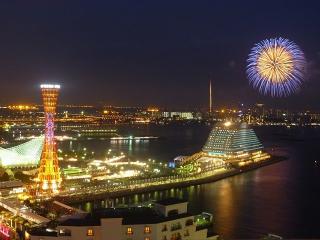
189	222
173	212
147	238
64	232
147	229
176	236
175	226
129	231
90	232
164	228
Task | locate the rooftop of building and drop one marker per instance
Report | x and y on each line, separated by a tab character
230	125
42	231
11	184
135	215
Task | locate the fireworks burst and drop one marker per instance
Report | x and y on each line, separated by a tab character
276	67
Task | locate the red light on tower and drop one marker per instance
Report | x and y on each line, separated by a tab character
49	175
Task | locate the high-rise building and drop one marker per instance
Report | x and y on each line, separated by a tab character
49	175
228	143
233	141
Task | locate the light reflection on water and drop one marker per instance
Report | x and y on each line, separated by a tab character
282	198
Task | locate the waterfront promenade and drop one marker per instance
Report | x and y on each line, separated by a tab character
104	191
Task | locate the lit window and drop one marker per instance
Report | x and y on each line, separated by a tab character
147	229
129	231
147	238
90	232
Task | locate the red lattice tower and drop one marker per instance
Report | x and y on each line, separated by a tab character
49	176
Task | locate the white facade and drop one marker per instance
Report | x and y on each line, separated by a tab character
182	115
177	224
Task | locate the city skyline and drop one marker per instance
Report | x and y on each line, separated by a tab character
158	120
150	49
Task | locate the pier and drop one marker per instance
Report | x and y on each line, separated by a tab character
163	183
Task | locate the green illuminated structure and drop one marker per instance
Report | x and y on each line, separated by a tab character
24	155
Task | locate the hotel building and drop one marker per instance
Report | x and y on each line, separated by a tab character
167	220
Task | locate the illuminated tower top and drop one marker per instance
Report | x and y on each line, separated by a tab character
50	94
49	86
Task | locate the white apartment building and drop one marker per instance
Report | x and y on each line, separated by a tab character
167	220
182	115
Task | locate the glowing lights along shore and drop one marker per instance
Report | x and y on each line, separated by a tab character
276	67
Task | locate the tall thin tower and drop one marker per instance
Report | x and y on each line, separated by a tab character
49	175
210	97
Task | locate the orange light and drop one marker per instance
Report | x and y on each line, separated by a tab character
147	229
152	109
90	232
129	231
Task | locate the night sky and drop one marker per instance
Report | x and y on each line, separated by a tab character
141	53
